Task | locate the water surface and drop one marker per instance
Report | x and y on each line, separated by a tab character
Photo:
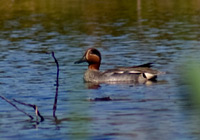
127	33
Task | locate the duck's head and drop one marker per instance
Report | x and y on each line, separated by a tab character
93	57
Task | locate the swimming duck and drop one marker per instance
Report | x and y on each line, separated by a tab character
134	74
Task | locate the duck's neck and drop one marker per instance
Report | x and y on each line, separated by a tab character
94	66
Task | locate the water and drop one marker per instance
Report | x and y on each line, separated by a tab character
127	33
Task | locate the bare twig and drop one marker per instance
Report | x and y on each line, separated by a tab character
57	85
8	101
37	113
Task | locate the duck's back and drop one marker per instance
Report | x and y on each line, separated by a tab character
136	74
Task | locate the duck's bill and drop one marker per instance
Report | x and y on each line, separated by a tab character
81	60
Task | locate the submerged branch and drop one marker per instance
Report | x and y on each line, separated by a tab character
57	85
34	106
37	113
8	101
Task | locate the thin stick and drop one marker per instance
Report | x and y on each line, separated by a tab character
16	107
57	85
37	113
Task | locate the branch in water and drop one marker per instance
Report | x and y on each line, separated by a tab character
57	85
8	101
37	113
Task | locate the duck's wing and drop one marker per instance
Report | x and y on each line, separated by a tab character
119	71
119	75
145	70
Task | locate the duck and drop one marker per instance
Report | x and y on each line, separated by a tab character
134	74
